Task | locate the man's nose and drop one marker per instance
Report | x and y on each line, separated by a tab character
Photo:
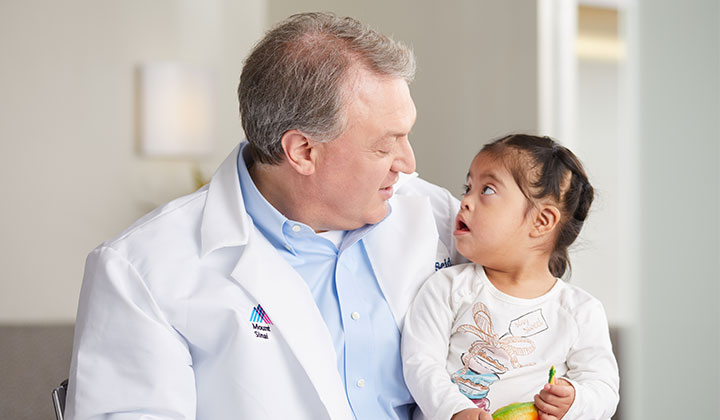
405	158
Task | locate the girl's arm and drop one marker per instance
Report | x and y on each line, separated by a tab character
592	368
425	340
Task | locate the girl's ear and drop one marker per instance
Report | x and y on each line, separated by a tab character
546	219
299	152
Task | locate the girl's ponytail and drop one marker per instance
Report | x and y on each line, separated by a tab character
559	262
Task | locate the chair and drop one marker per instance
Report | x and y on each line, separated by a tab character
58	397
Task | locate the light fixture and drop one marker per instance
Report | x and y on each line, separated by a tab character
176	115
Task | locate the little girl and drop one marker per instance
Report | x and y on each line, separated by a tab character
483	335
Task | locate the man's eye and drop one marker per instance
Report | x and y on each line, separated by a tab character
488	190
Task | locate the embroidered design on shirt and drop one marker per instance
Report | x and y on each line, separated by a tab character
258	317
483	362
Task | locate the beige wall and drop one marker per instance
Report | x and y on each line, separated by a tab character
72	177
70	174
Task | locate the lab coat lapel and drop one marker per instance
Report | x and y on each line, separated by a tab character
286	299
224	222
403	250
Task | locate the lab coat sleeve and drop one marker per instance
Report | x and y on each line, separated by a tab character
425	341
592	368
128	362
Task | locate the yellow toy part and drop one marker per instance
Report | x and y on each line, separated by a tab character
516	411
523	410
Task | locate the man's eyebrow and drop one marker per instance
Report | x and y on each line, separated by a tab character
388	138
395	134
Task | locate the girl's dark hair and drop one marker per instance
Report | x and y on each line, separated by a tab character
542	168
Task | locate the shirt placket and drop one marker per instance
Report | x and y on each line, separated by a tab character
358	331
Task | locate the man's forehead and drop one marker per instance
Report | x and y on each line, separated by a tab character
384	100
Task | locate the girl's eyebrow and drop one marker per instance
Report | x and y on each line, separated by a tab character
490	175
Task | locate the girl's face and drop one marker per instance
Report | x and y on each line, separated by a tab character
492	227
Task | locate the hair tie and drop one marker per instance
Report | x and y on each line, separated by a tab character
556	150
582	210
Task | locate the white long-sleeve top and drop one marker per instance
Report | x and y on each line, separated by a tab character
467	344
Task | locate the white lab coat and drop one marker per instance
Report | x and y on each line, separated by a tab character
164	321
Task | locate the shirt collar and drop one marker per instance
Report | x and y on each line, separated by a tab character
265	217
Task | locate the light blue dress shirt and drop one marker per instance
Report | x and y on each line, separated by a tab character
344	286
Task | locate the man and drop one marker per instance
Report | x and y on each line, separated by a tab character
278	290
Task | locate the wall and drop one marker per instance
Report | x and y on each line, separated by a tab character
679	130
602	258
67	120
72	178
70	174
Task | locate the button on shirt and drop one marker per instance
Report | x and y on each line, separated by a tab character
342	282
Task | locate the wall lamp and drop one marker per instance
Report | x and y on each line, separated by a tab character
176	110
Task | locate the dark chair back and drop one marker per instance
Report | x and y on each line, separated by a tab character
58	397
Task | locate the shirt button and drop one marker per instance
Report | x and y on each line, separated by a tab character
361	383
296	228
355	316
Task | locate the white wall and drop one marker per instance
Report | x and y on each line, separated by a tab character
595	256
477	71
70	174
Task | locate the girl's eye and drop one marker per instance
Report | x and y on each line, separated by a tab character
466	189
488	190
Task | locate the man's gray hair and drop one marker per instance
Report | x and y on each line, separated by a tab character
295	78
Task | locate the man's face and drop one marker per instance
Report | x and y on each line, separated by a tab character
355	172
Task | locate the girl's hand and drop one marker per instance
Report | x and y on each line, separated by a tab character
472	414
554	401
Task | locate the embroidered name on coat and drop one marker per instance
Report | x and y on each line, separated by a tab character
443	264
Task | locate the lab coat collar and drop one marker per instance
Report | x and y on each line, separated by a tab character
401	270
403	179
225	221
274	284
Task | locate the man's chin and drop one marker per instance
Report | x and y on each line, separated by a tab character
378	215
374	216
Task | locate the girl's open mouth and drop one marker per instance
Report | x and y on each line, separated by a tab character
460	226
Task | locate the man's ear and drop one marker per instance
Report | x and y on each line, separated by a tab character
298	151
546	219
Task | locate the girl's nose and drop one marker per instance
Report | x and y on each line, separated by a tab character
466	202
